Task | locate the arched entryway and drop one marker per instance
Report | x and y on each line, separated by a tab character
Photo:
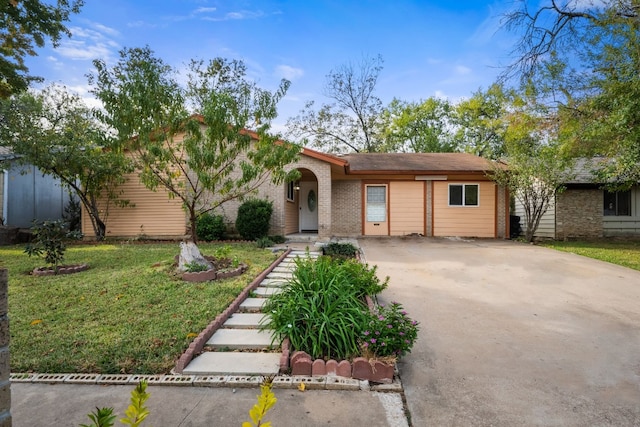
302	204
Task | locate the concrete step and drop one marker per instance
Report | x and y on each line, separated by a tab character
241	339
234	363
280	275
252	305
244	321
271	283
264	291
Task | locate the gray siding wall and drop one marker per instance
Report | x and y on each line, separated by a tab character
30	195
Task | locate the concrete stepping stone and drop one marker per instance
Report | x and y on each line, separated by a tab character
273	283
240	339
244	321
252	304
281	275
234	363
267	291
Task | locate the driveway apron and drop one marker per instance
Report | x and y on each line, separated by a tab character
514	334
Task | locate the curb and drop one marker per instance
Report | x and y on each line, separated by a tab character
327	382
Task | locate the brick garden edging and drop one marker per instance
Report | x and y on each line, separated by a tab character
208	275
197	345
361	368
63	269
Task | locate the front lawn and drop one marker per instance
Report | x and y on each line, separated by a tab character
126	314
621	252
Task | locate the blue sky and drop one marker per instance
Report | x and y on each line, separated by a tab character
430	48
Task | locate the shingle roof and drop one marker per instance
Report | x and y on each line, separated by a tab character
583	170
409	163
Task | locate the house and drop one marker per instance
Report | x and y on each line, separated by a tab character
26	194
385	194
586	210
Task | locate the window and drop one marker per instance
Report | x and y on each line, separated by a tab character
463	195
290	191
376	203
617	203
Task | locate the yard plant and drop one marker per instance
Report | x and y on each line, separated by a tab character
128	313
322	309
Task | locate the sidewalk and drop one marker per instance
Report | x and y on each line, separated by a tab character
68	405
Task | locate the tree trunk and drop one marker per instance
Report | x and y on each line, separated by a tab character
192	224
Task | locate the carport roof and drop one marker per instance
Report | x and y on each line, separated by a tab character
411	163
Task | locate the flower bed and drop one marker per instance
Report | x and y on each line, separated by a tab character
322	313
62	269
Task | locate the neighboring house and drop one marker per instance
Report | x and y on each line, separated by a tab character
26	194
431	194
586	210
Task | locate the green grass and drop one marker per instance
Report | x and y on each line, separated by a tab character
127	314
624	253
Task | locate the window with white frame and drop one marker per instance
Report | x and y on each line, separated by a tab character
291	191
617	203
376	203
463	195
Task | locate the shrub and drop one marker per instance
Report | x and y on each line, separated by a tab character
362	278
49	241
389	332
210	227
264	242
277	239
319	310
253	219
340	250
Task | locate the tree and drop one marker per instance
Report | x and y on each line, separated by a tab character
419	127
352	121
536	168
479	122
194	141
24	24
55	131
586	56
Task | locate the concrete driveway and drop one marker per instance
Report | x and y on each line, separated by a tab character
513	334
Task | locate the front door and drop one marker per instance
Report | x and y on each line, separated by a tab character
308	206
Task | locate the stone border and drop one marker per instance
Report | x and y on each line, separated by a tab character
208	275
327	382
63	269
197	345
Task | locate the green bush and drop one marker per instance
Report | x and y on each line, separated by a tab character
264	242
319	310
49	241
389	332
253	219
340	250
277	239
210	227
362	278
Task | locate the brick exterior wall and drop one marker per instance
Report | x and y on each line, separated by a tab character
347	208
579	213
502	213
278	194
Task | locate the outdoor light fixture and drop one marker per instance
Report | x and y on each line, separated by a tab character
296	186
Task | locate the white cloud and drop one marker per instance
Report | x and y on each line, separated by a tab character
90	42
288	72
461	70
79	50
205	10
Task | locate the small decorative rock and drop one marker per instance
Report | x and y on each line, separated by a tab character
189	254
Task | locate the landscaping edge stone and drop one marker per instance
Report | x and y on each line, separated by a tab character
197	345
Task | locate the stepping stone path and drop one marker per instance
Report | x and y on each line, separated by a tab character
239	345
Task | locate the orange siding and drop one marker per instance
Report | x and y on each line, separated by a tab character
406	211
464	221
153	214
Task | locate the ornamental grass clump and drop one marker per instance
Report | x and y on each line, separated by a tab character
319	310
389	332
